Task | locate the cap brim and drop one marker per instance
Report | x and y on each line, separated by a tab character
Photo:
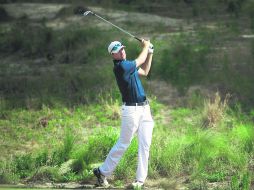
118	49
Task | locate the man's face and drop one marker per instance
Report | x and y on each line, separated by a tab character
121	55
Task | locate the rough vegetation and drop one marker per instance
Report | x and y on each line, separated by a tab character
59	104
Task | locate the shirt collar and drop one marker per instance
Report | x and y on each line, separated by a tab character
118	61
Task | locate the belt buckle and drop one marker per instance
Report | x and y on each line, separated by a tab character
146	102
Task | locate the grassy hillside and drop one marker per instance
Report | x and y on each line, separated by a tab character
59	50
210	146
59	104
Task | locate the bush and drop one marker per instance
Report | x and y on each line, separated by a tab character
30	39
234	6
249	10
185	62
4	15
69	45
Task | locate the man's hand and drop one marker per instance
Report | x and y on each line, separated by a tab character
150	50
145	67
145	43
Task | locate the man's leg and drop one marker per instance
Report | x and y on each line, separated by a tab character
130	119
145	131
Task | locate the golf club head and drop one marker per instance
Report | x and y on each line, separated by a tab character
87	12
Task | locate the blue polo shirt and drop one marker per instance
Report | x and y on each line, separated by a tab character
128	81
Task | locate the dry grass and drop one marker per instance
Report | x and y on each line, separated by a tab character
214	110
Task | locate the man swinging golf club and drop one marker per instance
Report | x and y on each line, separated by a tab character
136	114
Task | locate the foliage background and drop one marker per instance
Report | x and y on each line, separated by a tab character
59	103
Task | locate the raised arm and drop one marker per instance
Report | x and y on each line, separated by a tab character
145	68
143	55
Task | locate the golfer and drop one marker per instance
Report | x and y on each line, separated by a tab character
136	114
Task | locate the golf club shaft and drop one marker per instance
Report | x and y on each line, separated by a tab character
118	27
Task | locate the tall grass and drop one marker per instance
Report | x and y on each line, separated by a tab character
214	111
181	147
59	92
204	154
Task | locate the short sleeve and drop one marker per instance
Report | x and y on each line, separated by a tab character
129	66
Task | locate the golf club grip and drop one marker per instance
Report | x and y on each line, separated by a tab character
137	38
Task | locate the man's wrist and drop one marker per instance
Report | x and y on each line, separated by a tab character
150	51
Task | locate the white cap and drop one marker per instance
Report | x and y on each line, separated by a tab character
114	47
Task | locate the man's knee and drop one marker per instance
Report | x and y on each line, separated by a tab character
123	144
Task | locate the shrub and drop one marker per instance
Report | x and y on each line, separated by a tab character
31	39
249	10
185	63
234	6
3	15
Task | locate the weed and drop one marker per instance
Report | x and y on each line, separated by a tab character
45	174
243	135
8	172
240	181
62	152
178	147
214	110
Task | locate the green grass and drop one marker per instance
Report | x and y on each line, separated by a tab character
59	110
68	66
70	147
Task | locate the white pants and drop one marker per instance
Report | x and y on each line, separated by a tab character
135	119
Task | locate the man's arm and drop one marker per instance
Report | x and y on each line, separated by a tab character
145	68
143	55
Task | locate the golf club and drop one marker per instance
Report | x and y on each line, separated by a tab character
92	13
